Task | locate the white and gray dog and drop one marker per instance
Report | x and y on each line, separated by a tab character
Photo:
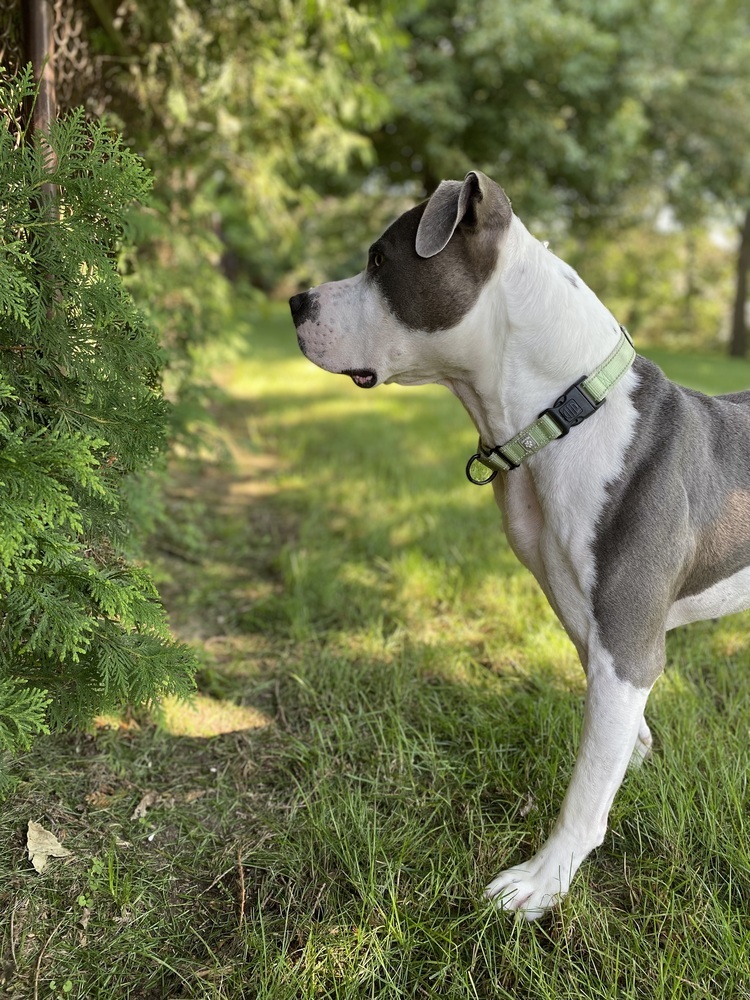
635	518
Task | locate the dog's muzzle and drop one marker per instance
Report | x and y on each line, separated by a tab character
305	308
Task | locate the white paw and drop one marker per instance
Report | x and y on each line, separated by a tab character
533	888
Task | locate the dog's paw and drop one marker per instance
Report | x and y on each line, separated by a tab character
534	888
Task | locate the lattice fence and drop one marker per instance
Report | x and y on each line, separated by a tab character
78	72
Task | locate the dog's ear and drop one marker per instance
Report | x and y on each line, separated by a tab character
455	202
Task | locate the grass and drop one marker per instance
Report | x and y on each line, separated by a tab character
388	714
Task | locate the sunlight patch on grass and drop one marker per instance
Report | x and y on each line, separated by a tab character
551	649
732	640
672	684
206	717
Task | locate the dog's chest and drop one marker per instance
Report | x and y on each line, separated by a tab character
523	518
551	509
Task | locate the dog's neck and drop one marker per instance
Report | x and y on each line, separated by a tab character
536	329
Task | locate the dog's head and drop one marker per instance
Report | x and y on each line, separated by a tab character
423	276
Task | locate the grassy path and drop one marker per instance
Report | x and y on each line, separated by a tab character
388	714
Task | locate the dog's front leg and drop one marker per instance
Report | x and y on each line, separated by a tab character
613	716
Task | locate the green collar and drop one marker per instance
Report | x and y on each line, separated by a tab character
576	403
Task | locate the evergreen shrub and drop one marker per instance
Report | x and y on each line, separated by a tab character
82	630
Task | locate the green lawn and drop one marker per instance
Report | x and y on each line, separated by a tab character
388	715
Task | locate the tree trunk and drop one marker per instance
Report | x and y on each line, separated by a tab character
738	343
688	306
39	43
40	52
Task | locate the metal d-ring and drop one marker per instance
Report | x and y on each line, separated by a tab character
479	482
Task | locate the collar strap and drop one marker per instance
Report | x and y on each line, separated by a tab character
577	403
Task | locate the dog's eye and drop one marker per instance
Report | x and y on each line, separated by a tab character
377	259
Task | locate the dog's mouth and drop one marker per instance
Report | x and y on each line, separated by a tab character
365	378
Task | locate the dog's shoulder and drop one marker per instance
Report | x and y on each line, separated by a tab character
676	420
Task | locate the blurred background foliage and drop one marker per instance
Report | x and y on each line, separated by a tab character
284	135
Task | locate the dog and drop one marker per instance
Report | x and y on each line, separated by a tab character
628	498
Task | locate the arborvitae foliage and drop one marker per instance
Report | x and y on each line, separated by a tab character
81	409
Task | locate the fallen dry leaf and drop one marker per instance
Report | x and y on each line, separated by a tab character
43	845
152	799
148	800
99	800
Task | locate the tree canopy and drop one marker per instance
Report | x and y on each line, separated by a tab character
281	135
576	105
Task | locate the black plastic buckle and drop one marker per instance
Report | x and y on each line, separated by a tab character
572	407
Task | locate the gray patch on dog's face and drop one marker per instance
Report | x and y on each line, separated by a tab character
435	293
371	326
676	522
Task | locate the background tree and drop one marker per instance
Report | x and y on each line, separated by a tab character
537	94
593	114
738	342
248	115
697	101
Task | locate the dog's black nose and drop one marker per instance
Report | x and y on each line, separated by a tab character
304	306
298	303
